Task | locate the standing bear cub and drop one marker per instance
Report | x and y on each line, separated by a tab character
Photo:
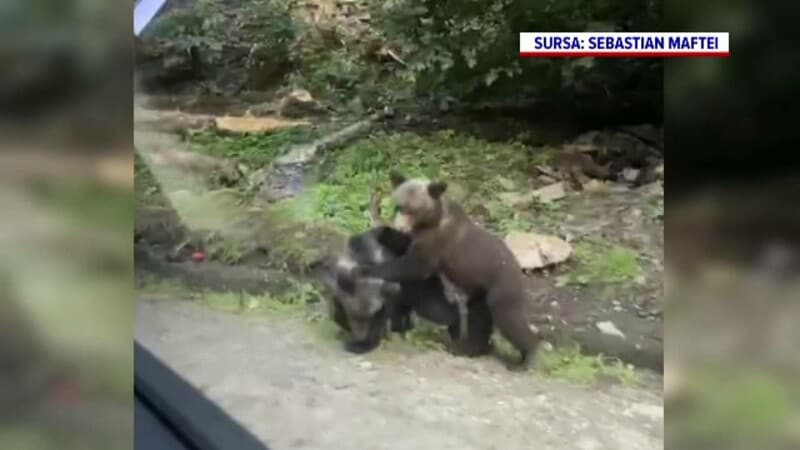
445	240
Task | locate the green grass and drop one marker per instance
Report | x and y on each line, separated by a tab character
603	263
476	171
161	286
297	246
339	206
424	336
89	204
570	364
292	254
445	154
294	300
566	362
147	188
730	406
253	149
226	251
469	165
226	301
303	302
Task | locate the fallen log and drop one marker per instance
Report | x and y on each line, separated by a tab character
176	122
301	154
171	121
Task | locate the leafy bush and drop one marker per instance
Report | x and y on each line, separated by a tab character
264	26
468	49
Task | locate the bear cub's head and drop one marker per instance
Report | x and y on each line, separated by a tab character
418	201
363	298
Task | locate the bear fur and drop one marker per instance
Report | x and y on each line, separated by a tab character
445	241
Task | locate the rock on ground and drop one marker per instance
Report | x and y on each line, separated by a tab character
295	394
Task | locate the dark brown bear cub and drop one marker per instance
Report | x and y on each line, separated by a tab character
363	305
446	241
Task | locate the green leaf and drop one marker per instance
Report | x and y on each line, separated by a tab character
446	61
491	77
470	58
586	63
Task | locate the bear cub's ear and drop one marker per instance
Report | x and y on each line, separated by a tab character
397	178
436	189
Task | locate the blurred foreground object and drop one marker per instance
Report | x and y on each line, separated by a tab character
67	78
24	365
112	170
732	285
66	178
66	361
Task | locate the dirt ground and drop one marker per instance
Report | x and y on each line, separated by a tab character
636	308
294	394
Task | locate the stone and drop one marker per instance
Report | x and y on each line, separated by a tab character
608	328
537	250
300	103
550	193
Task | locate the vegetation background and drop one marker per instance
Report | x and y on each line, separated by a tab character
67	193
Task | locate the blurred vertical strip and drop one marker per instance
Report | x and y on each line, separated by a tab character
66	196
731	232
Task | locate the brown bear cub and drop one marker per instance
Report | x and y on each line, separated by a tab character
444	240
